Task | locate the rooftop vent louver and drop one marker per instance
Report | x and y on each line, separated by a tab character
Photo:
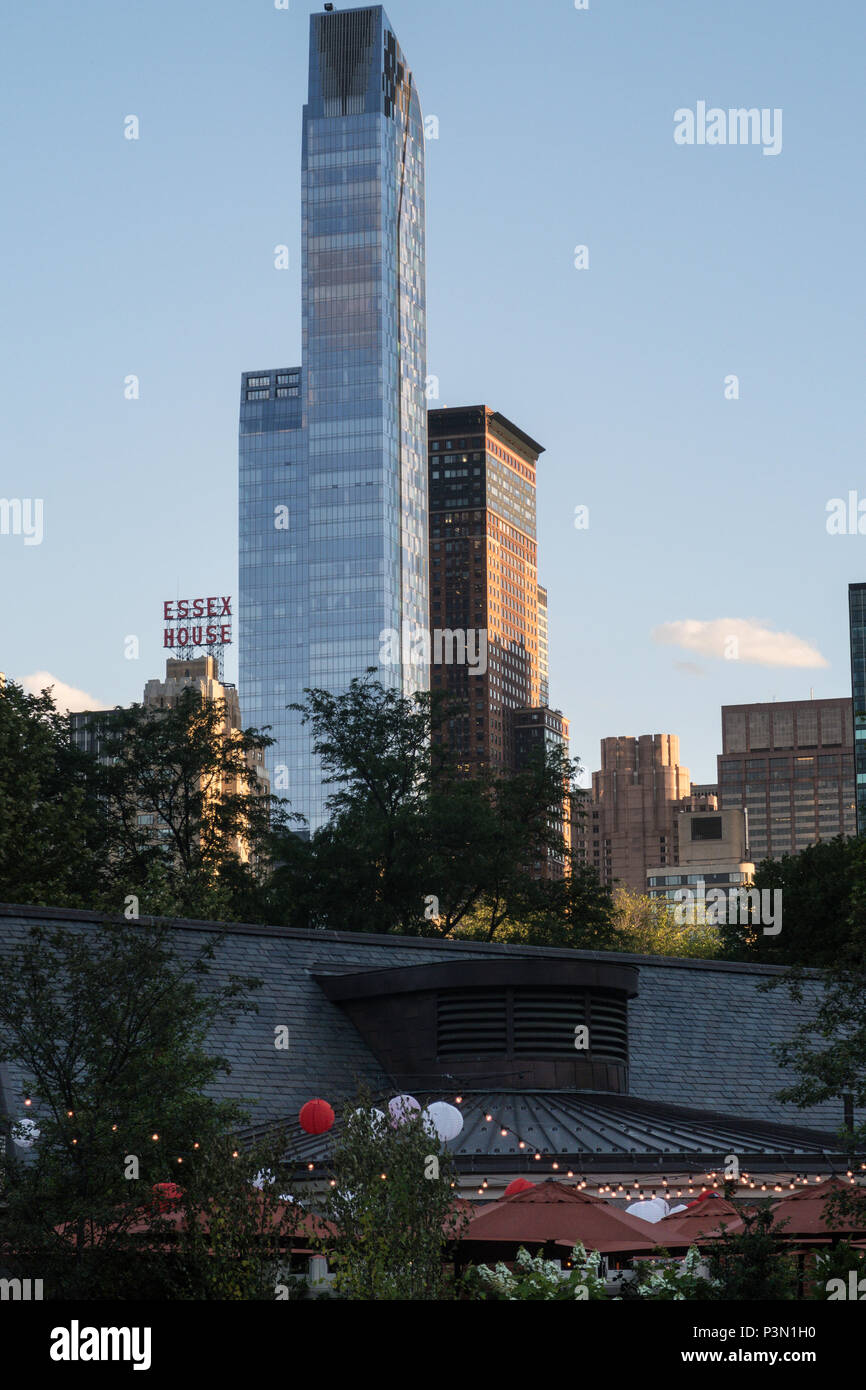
530	1023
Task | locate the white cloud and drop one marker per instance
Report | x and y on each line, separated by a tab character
739	639
66	697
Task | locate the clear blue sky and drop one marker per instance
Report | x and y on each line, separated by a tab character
155	258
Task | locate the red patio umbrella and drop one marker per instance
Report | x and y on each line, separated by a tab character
805	1214
701	1221
554	1213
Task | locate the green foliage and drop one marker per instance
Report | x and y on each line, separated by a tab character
411	847
838	1263
828	1052
235	1237
195	777
753	1266
817	887
110	1031
648	926
666	1279
53	833
535	1279
392	1232
423	851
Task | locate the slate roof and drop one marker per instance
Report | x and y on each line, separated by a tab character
700	1034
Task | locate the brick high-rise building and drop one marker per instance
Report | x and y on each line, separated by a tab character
630	820
791	765
484	579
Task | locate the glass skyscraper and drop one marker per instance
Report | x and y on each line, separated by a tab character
333	467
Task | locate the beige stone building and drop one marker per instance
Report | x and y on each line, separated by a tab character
631	817
713	850
202	674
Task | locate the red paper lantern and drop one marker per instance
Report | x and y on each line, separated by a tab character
519	1185
167	1194
316	1116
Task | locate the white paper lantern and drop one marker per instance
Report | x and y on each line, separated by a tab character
27	1133
377	1117
443	1120
401	1107
653	1209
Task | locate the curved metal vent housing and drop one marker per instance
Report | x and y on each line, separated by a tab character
530	1023
507	1020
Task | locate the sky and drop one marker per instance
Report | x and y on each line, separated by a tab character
701	572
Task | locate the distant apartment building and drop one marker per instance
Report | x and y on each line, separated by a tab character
713	849
630	819
857	625
790	764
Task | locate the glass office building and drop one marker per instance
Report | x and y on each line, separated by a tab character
333	469
857	624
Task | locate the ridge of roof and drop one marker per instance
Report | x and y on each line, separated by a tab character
408	943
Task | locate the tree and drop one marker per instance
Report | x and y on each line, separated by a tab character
392	1206
110	1031
649	926
411	846
234	1236
753	1266
53	832
190	826
816	888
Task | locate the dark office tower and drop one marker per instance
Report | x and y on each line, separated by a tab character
483	577
333	498
857	623
790	764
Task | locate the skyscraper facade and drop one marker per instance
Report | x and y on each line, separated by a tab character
484	577
857	624
333	485
790	764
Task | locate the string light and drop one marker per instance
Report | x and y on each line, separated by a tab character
28	1101
154	1137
